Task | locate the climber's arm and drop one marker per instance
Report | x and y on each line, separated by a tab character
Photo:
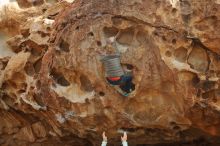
124	139
104	142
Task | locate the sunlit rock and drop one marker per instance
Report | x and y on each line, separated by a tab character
53	89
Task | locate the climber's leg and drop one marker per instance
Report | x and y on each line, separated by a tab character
126	84
126	78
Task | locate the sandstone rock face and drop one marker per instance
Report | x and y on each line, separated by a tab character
52	83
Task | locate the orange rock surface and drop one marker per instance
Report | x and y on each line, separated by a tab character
52	83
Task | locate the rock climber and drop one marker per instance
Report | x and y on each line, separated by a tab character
123	139
115	75
124	82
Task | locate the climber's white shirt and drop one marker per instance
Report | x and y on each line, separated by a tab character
124	143
104	143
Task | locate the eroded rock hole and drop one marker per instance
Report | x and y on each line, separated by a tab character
116	21
5	85
59	78
168	53
215	99
177	128
52	17
212	94
195	80
64	46
23	86
35	49
189	77
101	93
167	86
126	36
129	129
48	29
38	2
35	52
3	64
87	100
8	100
62	81
180	54
38	99
110	31
37	65
172	123
38	84
12	84
91	34
174	41
99	43
186	18
164	38
44	10
86	84
129	66
198	59
21	91
132	86
208	85
174	10
25	33
43	34
155	33
23	4
18	77
29	69
141	37
77	28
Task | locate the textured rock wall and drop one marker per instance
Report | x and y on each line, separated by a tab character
53	89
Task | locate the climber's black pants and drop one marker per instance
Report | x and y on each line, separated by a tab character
125	83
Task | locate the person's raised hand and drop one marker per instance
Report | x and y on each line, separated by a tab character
124	137
104	137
